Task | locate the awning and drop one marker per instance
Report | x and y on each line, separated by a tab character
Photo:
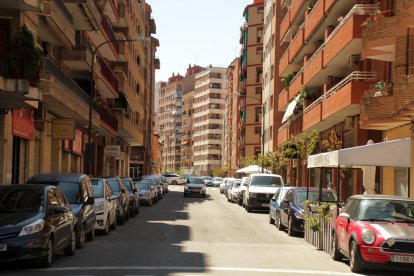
396	153
290	108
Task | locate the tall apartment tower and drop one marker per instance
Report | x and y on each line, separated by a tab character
170	116
251	68
89	79
187	134
208	119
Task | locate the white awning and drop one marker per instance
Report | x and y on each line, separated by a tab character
290	108
396	153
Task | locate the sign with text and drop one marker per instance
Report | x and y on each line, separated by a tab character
113	150
23	123
63	129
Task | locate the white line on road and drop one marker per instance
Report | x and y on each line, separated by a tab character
205	269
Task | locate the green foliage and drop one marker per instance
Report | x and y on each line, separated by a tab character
249	161
22	59
314	223
220	171
286	79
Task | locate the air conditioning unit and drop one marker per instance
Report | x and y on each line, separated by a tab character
40	113
353	61
349	123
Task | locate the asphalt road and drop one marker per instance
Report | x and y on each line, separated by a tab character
193	236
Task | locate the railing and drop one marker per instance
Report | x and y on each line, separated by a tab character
108	74
107	118
110	32
356	75
53	69
321	239
64	10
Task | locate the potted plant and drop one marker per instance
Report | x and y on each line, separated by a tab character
287	79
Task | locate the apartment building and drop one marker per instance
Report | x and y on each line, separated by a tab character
170	116
208	119
187	134
53	117
325	79
251	69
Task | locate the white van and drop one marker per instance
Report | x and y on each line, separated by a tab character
260	190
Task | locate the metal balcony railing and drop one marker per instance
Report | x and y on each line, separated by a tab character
110	32
107	117
64	10
108	74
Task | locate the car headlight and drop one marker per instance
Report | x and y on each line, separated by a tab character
186	187
252	194
99	207
368	236
299	215
33	227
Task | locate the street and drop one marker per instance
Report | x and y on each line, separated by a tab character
194	235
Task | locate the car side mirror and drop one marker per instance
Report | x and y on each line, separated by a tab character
345	216
59	209
273	199
123	190
90	201
112	197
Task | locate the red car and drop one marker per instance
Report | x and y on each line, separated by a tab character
375	232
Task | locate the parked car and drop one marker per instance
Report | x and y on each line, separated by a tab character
375	232
243	186
35	222
195	185
208	180
157	182
122	199
164	182
146	194
233	193
174	179
154	189
292	208
217	181
78	190
274	209
133	195
105	205
260	190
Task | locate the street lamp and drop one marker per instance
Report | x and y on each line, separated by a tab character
88	152
263	122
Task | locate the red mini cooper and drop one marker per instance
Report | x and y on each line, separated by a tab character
375	232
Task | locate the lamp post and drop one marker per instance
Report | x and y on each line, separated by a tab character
88	152
263	122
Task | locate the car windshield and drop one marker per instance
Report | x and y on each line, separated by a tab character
71	191
206	177
97	186
128	185
20	200
302	195
195	180
114	185
142	186
266	180
218	179
236	184
386	210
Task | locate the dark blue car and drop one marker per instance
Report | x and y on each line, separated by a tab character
292	208
274	209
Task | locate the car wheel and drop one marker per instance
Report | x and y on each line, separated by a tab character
70	249
113	225
121	219
126	214
150	202
204	195
335	254
354	258
271	220
91	235
291	231
47	260
239	202
132	213
248	208
137	210
228	199
80	238
107	226
174	182
277	220
185	195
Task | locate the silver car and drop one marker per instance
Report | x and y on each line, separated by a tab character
195	186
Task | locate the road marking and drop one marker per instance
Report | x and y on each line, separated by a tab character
201	269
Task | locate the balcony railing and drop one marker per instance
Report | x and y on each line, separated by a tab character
107	118
64	10
109	75
110	32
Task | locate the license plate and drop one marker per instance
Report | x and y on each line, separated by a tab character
3	247
265	204
402	259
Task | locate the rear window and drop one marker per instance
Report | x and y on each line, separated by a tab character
266	180
97	186
128	185
114	185
71	191
171	175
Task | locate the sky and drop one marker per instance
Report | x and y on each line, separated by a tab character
201	32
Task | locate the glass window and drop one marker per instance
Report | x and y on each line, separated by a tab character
71	190
108	190
61	197
289	195
302	195
114	185
128	185
12	200
277	194
351	207
400	180
52	199
266	180
97	187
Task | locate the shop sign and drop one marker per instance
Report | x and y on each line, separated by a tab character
23	123
63	129
77	144
113	150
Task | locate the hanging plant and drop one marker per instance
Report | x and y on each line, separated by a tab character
22	59
287	79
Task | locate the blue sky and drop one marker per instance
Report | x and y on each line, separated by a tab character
201	32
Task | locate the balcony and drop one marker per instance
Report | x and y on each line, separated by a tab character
295	126
297	43
284	63
23	5
283	134
295	85
313	66
314	18
111	10
283	100
284	27
379	37
62	96
297	9
128	131
340	101
86	15
77	59
105	33
108	122
123	15
107	82
57	26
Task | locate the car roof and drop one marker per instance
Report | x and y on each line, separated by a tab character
56	177
25	186
265	174
377	196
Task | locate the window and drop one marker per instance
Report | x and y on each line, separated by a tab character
257	130
271	132
259	75
259	50
258	112
258	90
257	151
